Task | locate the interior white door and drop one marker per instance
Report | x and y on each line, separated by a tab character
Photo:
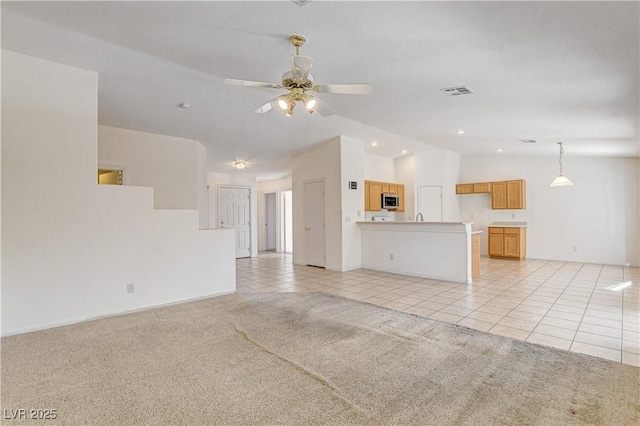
430	203
270	220
315	240
235	213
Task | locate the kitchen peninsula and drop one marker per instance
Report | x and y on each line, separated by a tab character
437	250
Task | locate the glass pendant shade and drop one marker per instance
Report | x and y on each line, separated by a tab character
561	180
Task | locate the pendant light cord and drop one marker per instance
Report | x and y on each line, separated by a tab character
560	159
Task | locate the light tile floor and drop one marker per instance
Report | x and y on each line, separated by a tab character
561	304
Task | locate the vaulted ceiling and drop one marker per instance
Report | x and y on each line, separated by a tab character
543	71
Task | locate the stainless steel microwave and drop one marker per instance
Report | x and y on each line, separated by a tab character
389	201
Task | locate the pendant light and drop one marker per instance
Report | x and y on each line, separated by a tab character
561	180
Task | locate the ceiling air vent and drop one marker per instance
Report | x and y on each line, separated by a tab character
528	140
457	90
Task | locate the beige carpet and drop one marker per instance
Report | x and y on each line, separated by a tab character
303	359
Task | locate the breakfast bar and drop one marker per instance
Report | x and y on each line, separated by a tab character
436	250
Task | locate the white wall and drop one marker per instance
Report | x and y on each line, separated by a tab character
599	215
405	174
321	163
241	179
174	167
71	246
352	160
439	167
379	168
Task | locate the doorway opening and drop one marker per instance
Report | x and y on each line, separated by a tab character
287	221
271	228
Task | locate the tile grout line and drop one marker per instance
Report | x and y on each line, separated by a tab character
585	311
548	309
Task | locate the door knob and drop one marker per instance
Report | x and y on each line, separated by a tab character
306	229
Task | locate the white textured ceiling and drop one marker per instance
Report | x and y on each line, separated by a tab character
549	71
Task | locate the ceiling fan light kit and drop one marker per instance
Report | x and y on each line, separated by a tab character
298	81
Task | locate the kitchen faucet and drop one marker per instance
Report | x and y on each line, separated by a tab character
421	218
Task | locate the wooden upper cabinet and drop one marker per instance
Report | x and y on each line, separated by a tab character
510	194
482	188
464	188
375	192
516	195
473	188
498	195
506	194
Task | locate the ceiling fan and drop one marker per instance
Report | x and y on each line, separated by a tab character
298	81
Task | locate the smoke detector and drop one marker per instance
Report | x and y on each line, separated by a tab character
457	90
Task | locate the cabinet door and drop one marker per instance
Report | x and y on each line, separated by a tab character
498	195
496	244
375	191
400	197
482	188
366	195
512	245
393	188
464	188
385	187
515	194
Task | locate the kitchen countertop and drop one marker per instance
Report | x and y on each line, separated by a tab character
509	224
409	222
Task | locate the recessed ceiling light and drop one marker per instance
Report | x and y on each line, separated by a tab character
404	151
499	150
460	132
374	143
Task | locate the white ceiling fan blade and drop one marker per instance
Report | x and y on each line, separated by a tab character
247	83
301	66
268	106
347	89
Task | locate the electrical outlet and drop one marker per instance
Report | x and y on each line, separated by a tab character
575	249
391	256
513	215
131	288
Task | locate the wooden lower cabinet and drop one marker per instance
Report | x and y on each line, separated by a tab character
507	243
